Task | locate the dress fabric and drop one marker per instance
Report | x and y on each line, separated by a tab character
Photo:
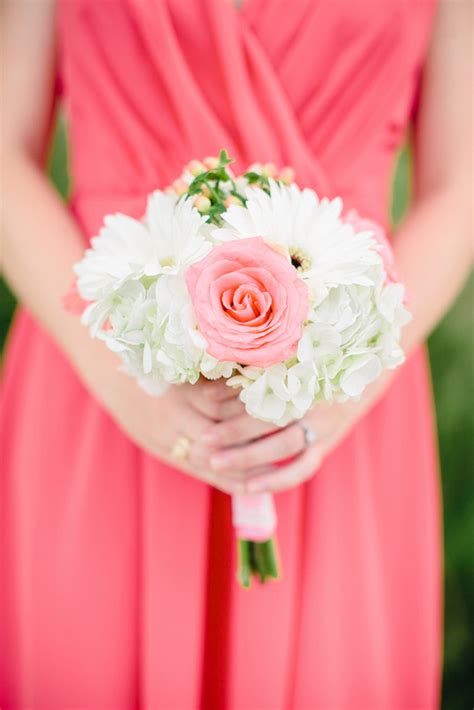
118	572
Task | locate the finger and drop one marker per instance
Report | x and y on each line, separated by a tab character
221	482
199	455
194	424
215	389
237	430
196	462
218	410
191	427
280	479
217	480
285	443
246	475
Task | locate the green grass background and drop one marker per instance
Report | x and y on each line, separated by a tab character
451	355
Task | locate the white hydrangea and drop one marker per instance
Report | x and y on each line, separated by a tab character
213	369
279	393
133	274
350	338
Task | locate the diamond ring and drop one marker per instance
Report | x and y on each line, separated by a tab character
310	436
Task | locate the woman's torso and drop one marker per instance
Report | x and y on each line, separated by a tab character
327	86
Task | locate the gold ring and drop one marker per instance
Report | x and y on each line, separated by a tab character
181	448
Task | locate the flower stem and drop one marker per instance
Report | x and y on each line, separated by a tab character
244	570
269	553
260	560
212	191
257	559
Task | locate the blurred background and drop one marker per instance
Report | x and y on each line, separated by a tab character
452	357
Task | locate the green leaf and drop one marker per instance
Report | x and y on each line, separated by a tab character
252	177
224	158
217	174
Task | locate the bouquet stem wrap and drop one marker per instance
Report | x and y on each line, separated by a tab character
254	519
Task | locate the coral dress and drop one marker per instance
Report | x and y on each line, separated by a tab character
118	587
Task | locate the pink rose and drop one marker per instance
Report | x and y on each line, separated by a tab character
249	301
384	247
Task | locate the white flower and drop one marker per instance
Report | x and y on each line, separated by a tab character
362	371
177	239
302	386
277	394
390	304
213	369
266	397
167	241
328	251
154	331
177	345
352	335
119	253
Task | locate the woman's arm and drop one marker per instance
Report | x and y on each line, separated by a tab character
41	242
434	245
433	249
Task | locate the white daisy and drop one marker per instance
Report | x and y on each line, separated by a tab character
167	241
320	244
177	236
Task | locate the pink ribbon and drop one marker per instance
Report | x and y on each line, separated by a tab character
254	516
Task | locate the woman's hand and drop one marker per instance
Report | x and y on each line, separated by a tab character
253	448
331	424
156	423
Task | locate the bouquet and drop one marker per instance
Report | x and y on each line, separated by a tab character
251	279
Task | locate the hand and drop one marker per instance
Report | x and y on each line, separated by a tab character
155	423
243	444
331	423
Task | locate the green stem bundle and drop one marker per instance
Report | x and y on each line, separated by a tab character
257	559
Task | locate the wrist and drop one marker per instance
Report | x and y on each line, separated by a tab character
96	365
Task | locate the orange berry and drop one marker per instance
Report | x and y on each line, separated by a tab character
287	175
195	167
180	187
202	203
232	200
211	162
269	170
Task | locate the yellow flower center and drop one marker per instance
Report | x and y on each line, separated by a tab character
167	261
300	259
